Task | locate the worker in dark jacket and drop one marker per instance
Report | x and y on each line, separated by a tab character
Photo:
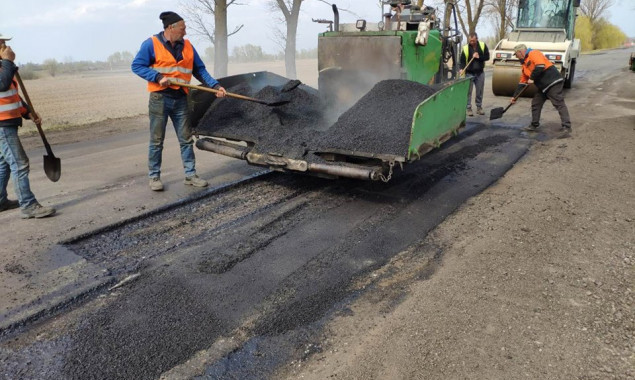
473	58
537	69
163	59
13	158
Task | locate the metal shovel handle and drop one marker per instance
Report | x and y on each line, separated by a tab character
32	111
466	66
516	97
52	164
231	95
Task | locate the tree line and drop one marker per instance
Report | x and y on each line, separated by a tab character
208	19
121	60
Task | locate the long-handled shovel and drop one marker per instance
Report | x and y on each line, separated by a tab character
497	113
52	164
231	95
462	74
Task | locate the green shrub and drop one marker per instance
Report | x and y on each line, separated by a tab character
27	72
598	35
584	32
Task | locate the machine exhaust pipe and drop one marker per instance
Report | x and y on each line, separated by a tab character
345	171
215	147
336	19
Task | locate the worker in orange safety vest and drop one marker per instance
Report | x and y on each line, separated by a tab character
163	59
537	69
13	159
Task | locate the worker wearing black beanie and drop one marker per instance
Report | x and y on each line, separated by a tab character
167	60
169	18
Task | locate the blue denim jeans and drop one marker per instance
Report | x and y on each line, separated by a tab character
160	108
13	160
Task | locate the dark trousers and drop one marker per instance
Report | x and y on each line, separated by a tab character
556	96
478	81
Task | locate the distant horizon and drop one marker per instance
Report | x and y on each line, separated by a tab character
208	63
92	30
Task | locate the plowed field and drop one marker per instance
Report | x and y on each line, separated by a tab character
73	100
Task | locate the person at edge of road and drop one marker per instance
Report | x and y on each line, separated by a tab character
537	69
163	58
13	158
480	53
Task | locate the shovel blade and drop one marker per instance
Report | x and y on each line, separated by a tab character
496	113
270	104
52	167
276	104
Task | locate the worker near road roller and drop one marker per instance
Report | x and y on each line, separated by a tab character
537	69
472	61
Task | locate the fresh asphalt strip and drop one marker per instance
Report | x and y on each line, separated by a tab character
72	279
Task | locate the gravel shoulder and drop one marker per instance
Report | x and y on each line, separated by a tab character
533	278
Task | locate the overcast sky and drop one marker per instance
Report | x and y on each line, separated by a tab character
94	29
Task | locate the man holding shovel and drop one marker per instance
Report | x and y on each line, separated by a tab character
162	58
537	68
472	61
13	158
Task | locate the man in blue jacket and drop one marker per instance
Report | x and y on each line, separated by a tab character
162	60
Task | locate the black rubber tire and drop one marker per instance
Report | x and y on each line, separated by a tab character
568	81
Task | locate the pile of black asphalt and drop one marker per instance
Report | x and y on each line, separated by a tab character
379	123
283	129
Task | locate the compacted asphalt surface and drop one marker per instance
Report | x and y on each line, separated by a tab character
238	281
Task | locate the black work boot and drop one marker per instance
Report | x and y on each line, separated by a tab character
9	204
564	132
533	127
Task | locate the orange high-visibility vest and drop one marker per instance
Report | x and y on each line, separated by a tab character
10	103
165	64
533	59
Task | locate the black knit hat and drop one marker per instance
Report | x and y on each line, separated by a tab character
169	18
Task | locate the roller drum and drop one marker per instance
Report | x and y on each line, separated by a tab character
505	81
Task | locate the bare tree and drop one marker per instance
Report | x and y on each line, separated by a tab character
286	39
502	13
377	4
291	12
594	9
470	15
199	14
51	65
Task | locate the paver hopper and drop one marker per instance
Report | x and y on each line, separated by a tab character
387	94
